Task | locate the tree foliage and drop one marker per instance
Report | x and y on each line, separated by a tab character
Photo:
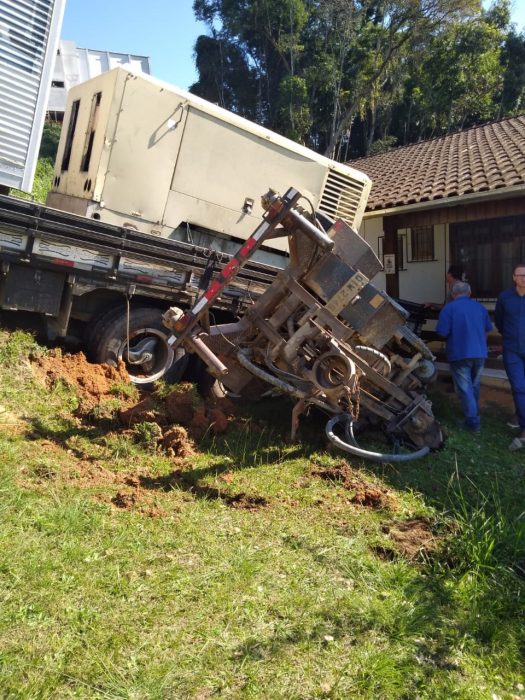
348	77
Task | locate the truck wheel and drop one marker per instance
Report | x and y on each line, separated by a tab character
150	357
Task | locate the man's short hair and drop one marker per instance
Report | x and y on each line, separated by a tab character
456	271
460	289
516	267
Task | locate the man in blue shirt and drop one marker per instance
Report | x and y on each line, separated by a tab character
510	322
465	323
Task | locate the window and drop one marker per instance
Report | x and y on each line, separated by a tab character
422	243
58	84
488	250
70	135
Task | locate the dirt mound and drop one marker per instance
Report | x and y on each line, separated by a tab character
412	537
92	382
180	405
175	442
172	419
363	493
244	502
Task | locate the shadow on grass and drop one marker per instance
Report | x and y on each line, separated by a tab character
61	434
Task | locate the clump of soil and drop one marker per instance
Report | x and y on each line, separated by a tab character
180	405
175	442
412	537
244	502
363	493
125	500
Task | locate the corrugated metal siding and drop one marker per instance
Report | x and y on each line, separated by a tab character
28	36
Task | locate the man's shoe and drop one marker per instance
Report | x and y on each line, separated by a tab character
517	444
513	422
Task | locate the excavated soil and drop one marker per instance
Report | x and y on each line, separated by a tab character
178	417
91	382
166	421
363	493
410	538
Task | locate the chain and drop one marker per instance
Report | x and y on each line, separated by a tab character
353	396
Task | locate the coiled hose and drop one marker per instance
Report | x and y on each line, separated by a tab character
354	449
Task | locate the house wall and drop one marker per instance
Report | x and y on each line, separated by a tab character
424	282
371	230
421	282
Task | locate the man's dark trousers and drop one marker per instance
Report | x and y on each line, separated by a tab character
514	363
467	381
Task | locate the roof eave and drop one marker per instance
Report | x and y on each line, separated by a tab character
500	192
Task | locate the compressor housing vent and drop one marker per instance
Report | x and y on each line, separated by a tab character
344	198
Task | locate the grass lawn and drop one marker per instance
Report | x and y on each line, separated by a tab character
256	568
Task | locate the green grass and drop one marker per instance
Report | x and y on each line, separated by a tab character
185	594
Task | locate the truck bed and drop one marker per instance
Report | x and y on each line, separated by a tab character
34	236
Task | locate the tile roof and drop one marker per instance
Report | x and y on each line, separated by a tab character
479	159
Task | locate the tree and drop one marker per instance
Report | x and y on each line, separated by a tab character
340	74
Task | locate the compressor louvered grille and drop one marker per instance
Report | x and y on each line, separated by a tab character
342	198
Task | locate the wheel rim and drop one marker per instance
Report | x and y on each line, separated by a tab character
155	362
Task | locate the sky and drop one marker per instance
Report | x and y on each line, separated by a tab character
163	30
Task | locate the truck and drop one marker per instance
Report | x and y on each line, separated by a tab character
156	194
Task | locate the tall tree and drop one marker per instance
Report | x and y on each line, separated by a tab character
341	74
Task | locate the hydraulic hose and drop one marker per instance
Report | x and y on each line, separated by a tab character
366	454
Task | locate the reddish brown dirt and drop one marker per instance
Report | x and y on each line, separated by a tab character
176	443
363	492
92	382
142	412
192	417
181	417
412	538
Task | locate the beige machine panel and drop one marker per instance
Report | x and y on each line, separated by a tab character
94	126
144	151
217	175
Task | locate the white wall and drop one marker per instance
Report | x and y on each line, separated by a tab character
420	281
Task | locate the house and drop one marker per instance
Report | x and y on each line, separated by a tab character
456	199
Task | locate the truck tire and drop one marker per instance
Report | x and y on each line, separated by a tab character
108	344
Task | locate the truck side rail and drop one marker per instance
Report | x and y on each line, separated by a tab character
19	218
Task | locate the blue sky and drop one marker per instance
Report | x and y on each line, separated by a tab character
164	30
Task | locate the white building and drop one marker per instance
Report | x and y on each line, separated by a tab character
74	65
29	33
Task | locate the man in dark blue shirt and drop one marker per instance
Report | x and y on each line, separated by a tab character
510	322
465	323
